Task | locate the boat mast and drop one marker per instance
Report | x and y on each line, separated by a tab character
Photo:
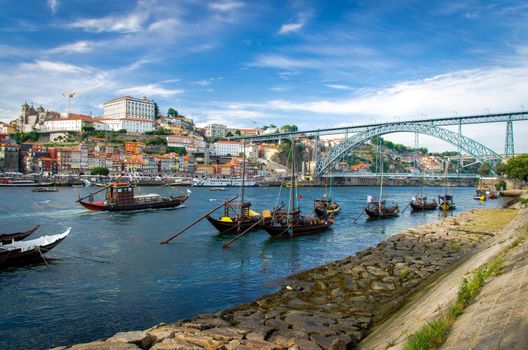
243	175
381	175
292	190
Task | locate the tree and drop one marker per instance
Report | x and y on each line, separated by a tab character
157	114
229	134
180	150
237	132
122	131
484	169
172	112
156	141
99	170
289	128
500	168
88	128
517	167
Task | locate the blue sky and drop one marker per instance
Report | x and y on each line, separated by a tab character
244	63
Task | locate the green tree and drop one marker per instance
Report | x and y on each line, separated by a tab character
172	112
122	131
237	132
229	134
99	170
517	167
157	141
21	137
157	114
484	169
289	128
88	128
180	150
500	168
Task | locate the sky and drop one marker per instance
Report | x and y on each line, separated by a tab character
314	64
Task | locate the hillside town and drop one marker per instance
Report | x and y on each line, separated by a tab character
132	137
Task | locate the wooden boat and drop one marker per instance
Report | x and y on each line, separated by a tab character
7	238
492	195
480	195
290	223
420	203
446	202
45	189
377	210
236	221
324	207
120	197
27	252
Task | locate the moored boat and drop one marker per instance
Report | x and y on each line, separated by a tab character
120	197
382	210
8	238
446	202
324	207
9	182
31	251
45	189
420	203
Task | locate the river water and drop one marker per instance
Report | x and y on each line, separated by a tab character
112	274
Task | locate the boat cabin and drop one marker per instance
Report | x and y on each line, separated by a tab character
120	193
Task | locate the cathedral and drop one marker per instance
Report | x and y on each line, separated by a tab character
33	119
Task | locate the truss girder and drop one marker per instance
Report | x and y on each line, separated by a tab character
474	148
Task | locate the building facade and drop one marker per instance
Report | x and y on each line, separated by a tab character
74	122
130	107
214	131
131	125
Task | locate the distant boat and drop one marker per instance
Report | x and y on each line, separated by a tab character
9	182
45	189
446	202
120	196
219	182
379	208
27	252
217	189
8	238
420	203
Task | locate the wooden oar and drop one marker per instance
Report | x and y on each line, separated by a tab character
359	215
406	207
91	194
197	220
226	245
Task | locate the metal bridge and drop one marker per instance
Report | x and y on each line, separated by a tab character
432	127
404	175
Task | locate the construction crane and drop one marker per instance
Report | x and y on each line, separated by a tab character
70	95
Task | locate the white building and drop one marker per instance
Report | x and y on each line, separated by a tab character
131	125
215	130
130	107
224	148
74	122
191	144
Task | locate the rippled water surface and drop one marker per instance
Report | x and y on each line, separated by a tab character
111	274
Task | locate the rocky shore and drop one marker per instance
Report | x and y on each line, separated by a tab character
333	306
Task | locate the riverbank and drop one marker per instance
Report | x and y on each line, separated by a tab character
336	305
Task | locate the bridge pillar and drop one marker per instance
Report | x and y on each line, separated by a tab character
316	154
509	150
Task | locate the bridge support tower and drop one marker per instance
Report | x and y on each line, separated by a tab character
509	150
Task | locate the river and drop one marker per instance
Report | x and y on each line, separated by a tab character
112	274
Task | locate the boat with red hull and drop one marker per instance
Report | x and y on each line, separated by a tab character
120	197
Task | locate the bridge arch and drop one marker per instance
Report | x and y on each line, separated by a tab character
474	148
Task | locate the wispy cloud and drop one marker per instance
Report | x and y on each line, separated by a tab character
150	90
338	86
55	67
283	62
291	27
76	47
121	24
226	6
53	5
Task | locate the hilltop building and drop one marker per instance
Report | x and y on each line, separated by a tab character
33	119
214	131
130	107
74	122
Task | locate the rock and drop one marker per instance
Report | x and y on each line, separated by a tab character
225	334
206	323
303	344
140	338
237	345
159	334
103	345
261	344
58	348
277	324
296	302
175	344
376	271
337	342
377	285
260	333
201	341
309	323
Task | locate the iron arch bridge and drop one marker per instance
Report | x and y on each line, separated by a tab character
474	148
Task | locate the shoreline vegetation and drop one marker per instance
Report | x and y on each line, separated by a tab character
335	306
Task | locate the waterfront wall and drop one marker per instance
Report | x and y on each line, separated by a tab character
333	306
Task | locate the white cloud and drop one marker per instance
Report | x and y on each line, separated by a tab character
338	87
54	67
53	5
295	26
77	47
226	6
121	24
283	62
150	90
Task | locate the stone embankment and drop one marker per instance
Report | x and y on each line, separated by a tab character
333	306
